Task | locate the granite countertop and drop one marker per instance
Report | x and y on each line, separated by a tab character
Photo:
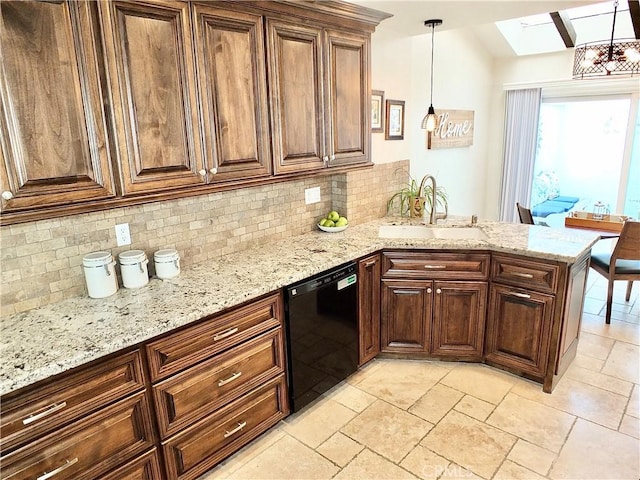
49	340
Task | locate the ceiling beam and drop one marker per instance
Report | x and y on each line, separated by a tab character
634	11
565	28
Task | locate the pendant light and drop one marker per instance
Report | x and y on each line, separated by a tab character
429	121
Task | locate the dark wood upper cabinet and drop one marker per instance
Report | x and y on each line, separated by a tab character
348	100
151	71
52	124
233	88
297	96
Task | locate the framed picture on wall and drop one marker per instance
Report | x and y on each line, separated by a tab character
394	120
377	117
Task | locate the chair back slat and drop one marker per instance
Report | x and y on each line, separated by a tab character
525	214
628	246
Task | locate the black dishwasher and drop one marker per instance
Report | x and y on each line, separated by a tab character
322	333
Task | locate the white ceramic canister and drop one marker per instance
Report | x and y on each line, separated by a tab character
133	265
167	263
100	274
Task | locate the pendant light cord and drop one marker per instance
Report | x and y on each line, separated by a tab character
613	28
433	29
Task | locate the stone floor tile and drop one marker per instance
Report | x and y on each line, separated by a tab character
624	362
318	422
425	464
532	421
582	400
340	449
532	457
512	471
387	430
633	407
371	466
276	462
402	382
631	426
600	380
622	331
475	408
364	371
436	403
480	381
351	397
590	363
467	442
594	345
595	452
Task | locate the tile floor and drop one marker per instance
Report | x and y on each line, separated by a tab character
397	419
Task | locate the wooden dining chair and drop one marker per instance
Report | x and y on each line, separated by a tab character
621	264
525	214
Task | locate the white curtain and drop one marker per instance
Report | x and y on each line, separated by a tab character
520	141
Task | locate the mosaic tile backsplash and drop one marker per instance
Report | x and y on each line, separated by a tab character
41	262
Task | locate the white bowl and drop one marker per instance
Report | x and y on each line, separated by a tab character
332	229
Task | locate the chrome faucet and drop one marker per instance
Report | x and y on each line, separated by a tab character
434	216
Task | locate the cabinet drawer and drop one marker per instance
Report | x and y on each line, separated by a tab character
204	388
529	274
145	467
462	266
87	448
188	347
198	448
34	413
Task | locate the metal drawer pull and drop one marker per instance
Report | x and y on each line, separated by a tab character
225	334
228	433
50	474
435	267
49	410
230	379
521	295
523	275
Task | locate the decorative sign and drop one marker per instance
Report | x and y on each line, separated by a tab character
454	129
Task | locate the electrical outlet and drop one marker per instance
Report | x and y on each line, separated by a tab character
312	195
123	235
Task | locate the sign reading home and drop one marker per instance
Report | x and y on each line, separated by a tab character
454	129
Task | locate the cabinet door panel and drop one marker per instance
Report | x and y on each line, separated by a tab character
518	329
295	82
368	308
405	310
231	73
348	98
52	125
458	319
153	91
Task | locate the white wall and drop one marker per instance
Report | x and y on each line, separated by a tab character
391	73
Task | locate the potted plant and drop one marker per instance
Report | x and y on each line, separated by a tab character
414	197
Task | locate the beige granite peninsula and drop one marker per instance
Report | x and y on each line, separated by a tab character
49	340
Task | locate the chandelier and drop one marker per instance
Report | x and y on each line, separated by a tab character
597	59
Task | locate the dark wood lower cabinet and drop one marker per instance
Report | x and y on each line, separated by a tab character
458	319
198	448
518	329
368	308
145	467
406	314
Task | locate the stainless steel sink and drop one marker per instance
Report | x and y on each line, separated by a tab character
424	232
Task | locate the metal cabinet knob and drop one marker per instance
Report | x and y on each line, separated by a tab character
333	157
7	195
213	170
428	290
438	291
202	172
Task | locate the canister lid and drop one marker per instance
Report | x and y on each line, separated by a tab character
166	255
97	259
132	257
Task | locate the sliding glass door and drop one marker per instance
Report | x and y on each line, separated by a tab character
584	157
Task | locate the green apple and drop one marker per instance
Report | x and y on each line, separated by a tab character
333	215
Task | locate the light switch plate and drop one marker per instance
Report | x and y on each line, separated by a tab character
311	195
123	235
